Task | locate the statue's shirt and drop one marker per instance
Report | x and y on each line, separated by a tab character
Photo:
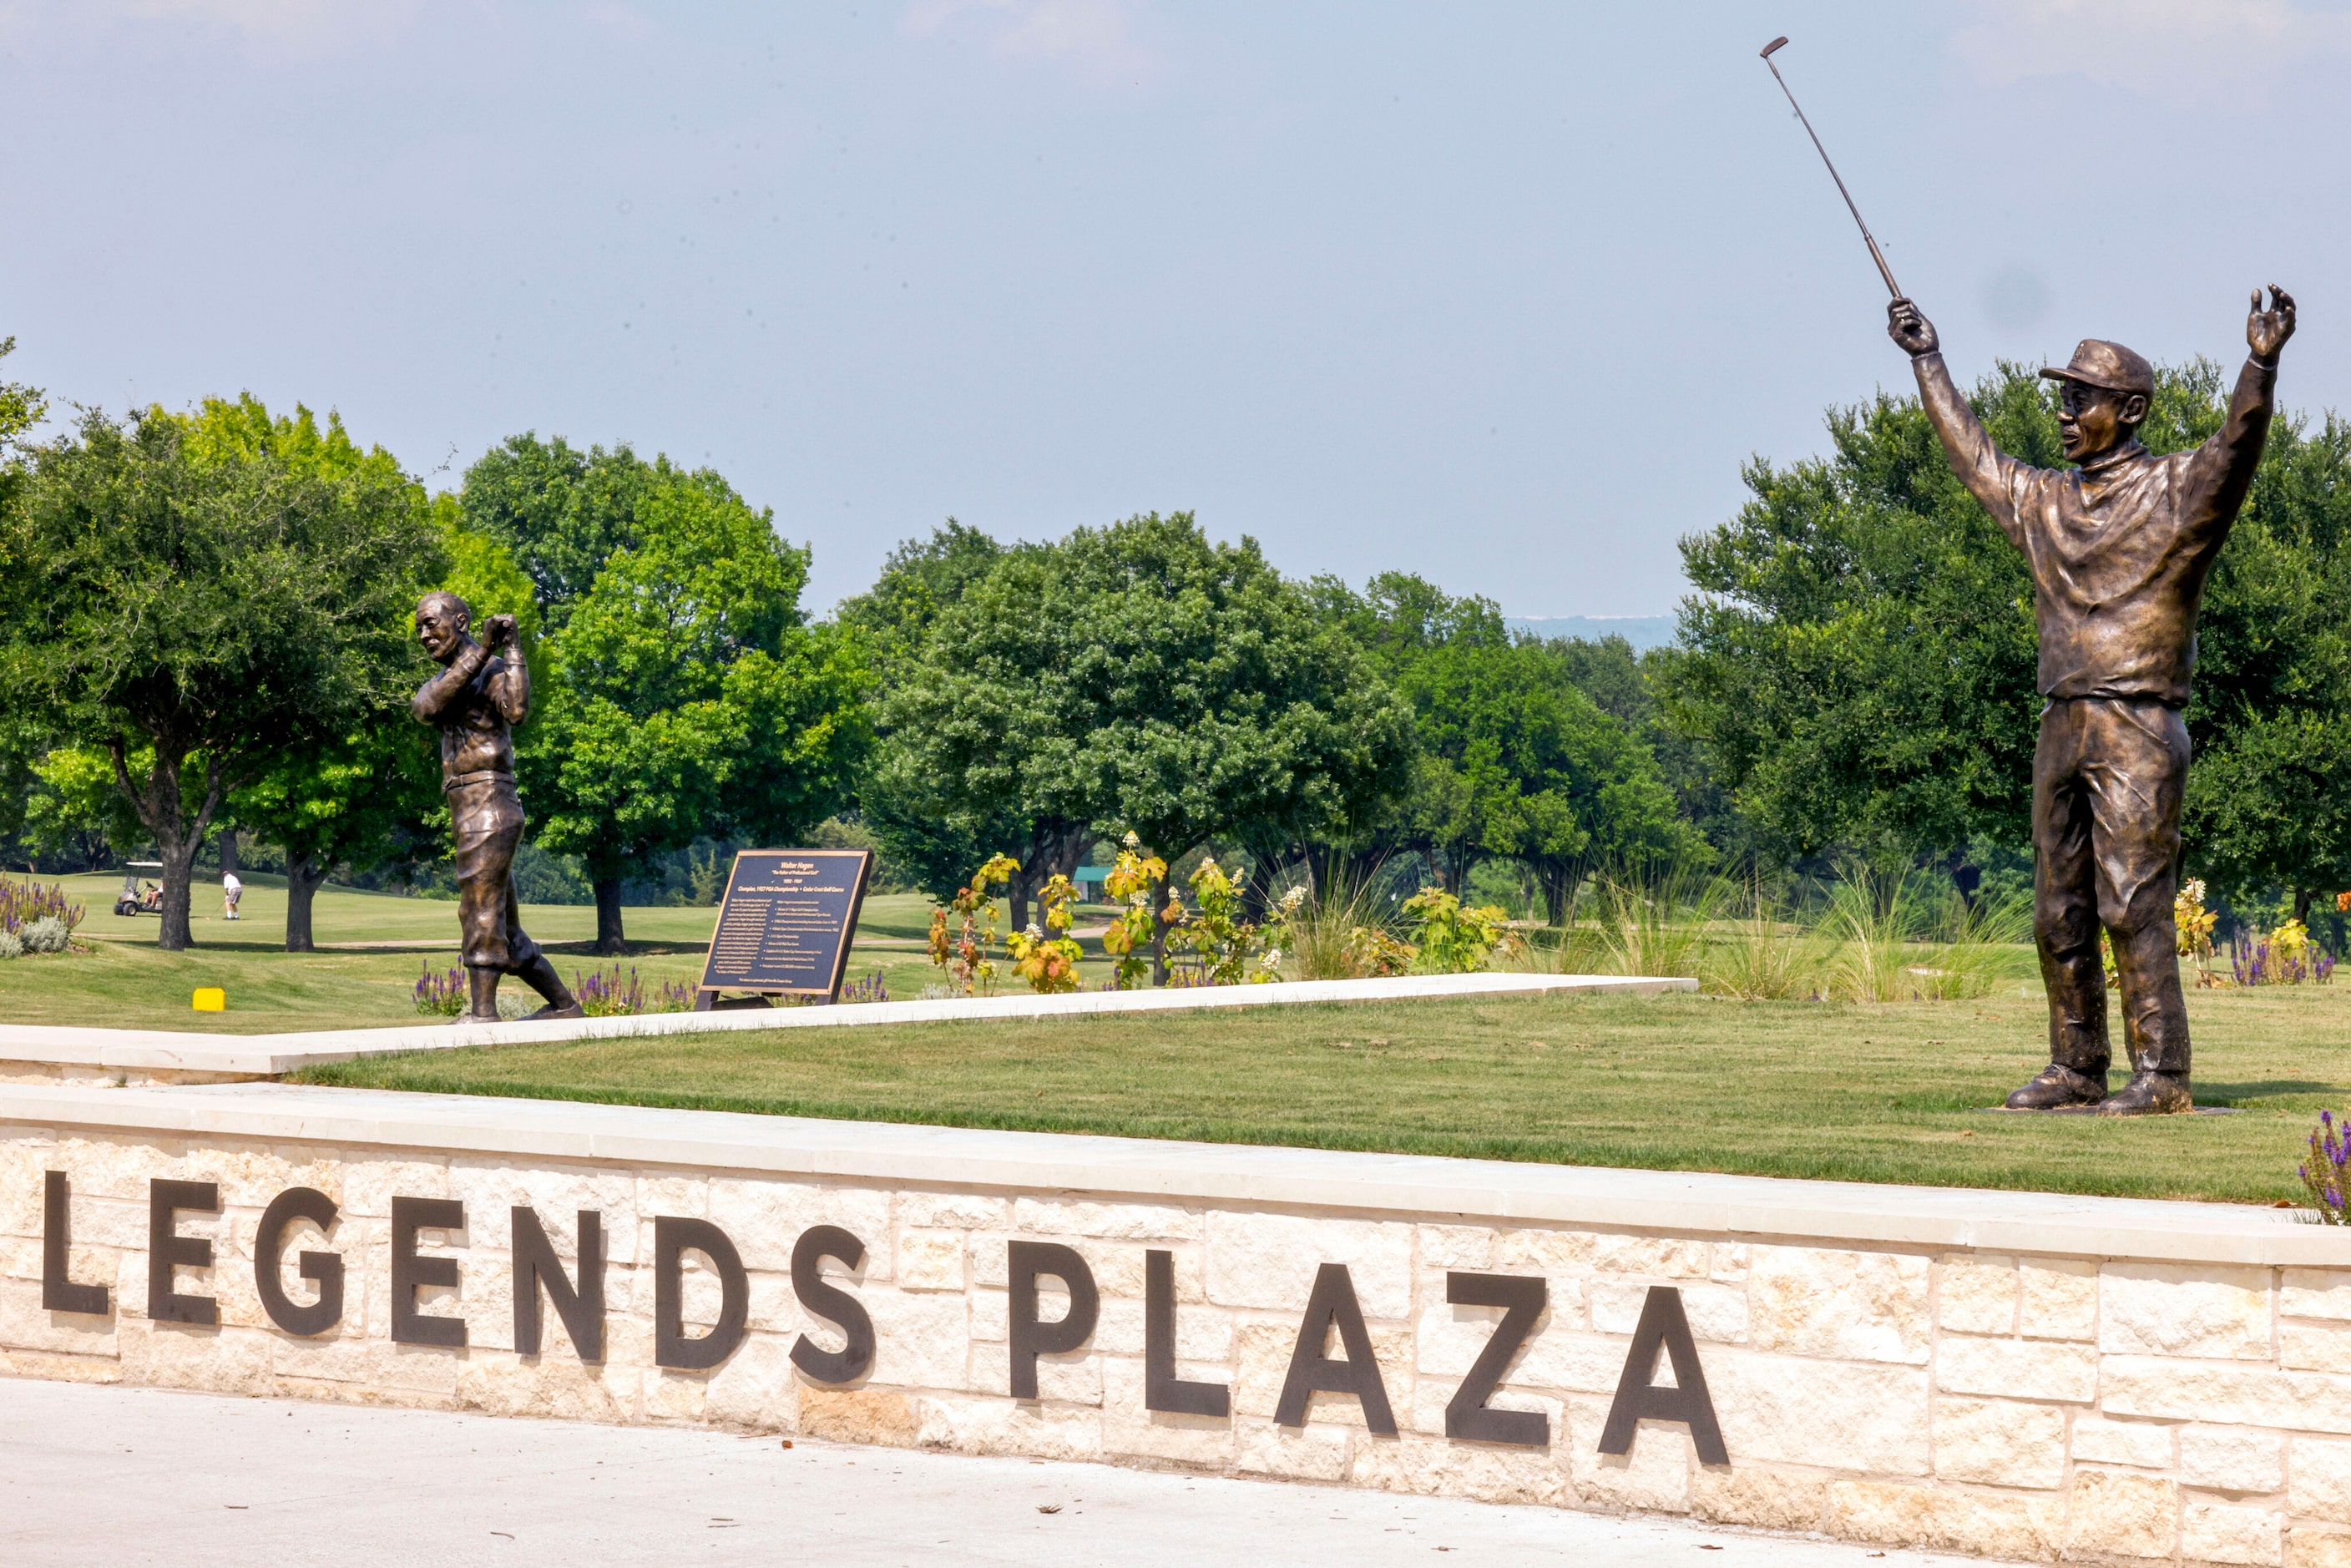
2119	549
475	701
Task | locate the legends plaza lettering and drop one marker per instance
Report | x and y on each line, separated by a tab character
577	1302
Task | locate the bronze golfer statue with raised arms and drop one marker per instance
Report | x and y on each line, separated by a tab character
476	701
2120	548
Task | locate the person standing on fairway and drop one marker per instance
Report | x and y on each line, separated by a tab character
2120	548
232	890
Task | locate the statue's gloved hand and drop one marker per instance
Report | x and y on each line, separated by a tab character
1913	331
2267	331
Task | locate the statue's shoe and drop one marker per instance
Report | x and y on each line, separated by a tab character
2055	1087
552	1011
2150	1094
477	1018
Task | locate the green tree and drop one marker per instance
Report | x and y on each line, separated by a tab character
686	697
220	588
1153	680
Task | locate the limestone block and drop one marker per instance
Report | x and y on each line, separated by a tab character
2316	1293
181	1355
765	1219
1759	1498
492	1190
1261	1353
1838	1416
2058	1299
1118	1326
974	1425
1430	1395
370	1185
2318	1549
2137	1443
672	1395
2232	1459
1159	1224
1543	1252
2319	1483
60	1368
1117	1265
991	1315
2016	1369
858	1416
2223	1532
1655	1475
1425	1467
920	1340
1717	1312
2210	1309
25	1324
2216	1391
1728	1261
2317	1347
756	1388
550	1387
1862	1306
1977	1294
420	1373
111	1222
1577	1363
108	1167
250	1174
1940	1520
2123	1515
1269	1260
952	1210
930	1259
1072	1378
1999	1443
1456	1247
1309	1453
1129	1429
1449	1337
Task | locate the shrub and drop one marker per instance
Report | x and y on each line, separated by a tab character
1226	949
1049	964
2286	957
870	989
24	904
2323	1174
1129	884
1451	939
963	954
442	995
611	994
11	946
47	935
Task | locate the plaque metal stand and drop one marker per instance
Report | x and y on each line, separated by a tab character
784	927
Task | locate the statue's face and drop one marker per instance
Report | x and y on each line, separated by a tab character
440	627
2094	420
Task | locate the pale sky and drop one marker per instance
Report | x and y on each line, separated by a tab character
1502	294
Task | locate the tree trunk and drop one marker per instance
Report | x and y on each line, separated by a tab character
611	941
303	878
160	811
1158	931
228	861
1015	898
2302	897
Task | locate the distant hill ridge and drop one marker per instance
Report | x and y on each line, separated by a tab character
1641	631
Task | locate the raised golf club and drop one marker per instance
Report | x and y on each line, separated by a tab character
1874	254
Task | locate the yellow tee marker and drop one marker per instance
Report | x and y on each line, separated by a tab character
211	999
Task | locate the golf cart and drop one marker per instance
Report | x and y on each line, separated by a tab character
134	898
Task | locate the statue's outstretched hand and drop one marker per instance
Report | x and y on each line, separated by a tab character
2267	331
1907	328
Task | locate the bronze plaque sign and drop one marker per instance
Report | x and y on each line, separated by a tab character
785	925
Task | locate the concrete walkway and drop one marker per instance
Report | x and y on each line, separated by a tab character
128	1476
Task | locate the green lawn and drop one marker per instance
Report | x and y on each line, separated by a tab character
1881	1092
373	947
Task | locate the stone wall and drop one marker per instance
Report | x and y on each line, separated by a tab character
2015	1405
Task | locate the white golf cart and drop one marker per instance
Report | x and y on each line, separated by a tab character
135	897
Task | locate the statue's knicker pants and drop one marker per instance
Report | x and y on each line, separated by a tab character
486	818
2108	777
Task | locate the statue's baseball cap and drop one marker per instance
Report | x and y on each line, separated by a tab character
2099	363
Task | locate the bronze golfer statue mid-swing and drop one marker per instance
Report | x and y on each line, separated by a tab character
2120	548
476	701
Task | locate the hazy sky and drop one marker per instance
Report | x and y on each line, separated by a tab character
1502	293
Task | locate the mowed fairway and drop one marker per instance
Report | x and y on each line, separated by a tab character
1882	1094
374	945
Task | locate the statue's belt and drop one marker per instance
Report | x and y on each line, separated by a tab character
487	776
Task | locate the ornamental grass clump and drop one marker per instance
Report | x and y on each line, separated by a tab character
2323	1174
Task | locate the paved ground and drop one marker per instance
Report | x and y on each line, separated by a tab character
133	1476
